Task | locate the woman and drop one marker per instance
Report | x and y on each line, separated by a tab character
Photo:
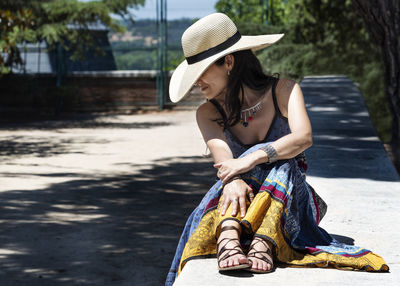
256	127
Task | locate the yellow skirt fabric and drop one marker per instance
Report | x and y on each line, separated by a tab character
285	211
263	218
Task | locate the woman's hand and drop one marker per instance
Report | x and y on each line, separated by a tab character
232	167
235	193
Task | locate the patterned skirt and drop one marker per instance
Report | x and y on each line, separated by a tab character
286	211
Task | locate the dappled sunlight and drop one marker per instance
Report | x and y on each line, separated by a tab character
109	248
11	146
77	121
87	223
61	217
342	132
110	206
5	252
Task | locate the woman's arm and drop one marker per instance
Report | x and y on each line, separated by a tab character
216	141
292	106
291	102
212	132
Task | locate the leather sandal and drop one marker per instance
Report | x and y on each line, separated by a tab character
259	255
230	251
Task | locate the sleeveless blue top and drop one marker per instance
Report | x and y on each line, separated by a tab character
279	127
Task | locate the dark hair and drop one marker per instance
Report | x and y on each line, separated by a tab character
246	70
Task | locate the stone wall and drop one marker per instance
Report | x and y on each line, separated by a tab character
116	91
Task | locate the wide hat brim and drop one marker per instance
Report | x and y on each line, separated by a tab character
185	75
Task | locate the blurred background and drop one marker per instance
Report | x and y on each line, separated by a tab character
63	56
91	148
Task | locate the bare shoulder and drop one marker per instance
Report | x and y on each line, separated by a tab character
206	112
284	89
207	117
285	84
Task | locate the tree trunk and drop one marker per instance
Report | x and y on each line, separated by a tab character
382	20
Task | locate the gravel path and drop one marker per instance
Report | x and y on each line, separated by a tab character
97	200
102	200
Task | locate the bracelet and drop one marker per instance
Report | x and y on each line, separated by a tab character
271	153
232	179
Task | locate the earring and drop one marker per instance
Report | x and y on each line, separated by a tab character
229	73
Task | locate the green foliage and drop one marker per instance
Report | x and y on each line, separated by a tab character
250	28
145	59
255	11
372	86
321	37
136	60
175	57
65	22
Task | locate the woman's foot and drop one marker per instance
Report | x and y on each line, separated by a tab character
260	256
230	254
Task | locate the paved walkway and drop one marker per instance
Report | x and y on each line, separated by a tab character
102	200
351	171
97	200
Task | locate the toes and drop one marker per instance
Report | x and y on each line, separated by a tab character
250	262
243	260
255	264
259	264
230	262
236	261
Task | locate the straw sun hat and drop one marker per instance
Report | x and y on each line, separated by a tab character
203	43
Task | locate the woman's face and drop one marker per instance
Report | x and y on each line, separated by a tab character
214	80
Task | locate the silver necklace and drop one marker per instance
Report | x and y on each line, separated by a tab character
247	115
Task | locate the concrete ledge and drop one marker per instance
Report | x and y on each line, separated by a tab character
204	272
116	74
351	171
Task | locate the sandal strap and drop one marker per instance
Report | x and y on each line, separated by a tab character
229	251
268	251
229	254
260	240
264	258
223	248
229	227
253	253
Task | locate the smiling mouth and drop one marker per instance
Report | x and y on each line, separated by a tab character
204	88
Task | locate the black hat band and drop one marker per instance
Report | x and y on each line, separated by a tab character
214	50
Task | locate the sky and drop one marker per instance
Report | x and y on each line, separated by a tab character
177	9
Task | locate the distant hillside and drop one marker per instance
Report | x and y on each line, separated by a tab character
136	49
145	32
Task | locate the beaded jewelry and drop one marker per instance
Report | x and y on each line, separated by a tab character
247	115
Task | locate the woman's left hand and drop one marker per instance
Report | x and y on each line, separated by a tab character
232	167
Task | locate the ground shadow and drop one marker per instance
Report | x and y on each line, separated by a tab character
343	239
345	143
123	229
17	146
114	230
74	121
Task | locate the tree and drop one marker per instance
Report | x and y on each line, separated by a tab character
51	20
254	11
333	30
382	20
